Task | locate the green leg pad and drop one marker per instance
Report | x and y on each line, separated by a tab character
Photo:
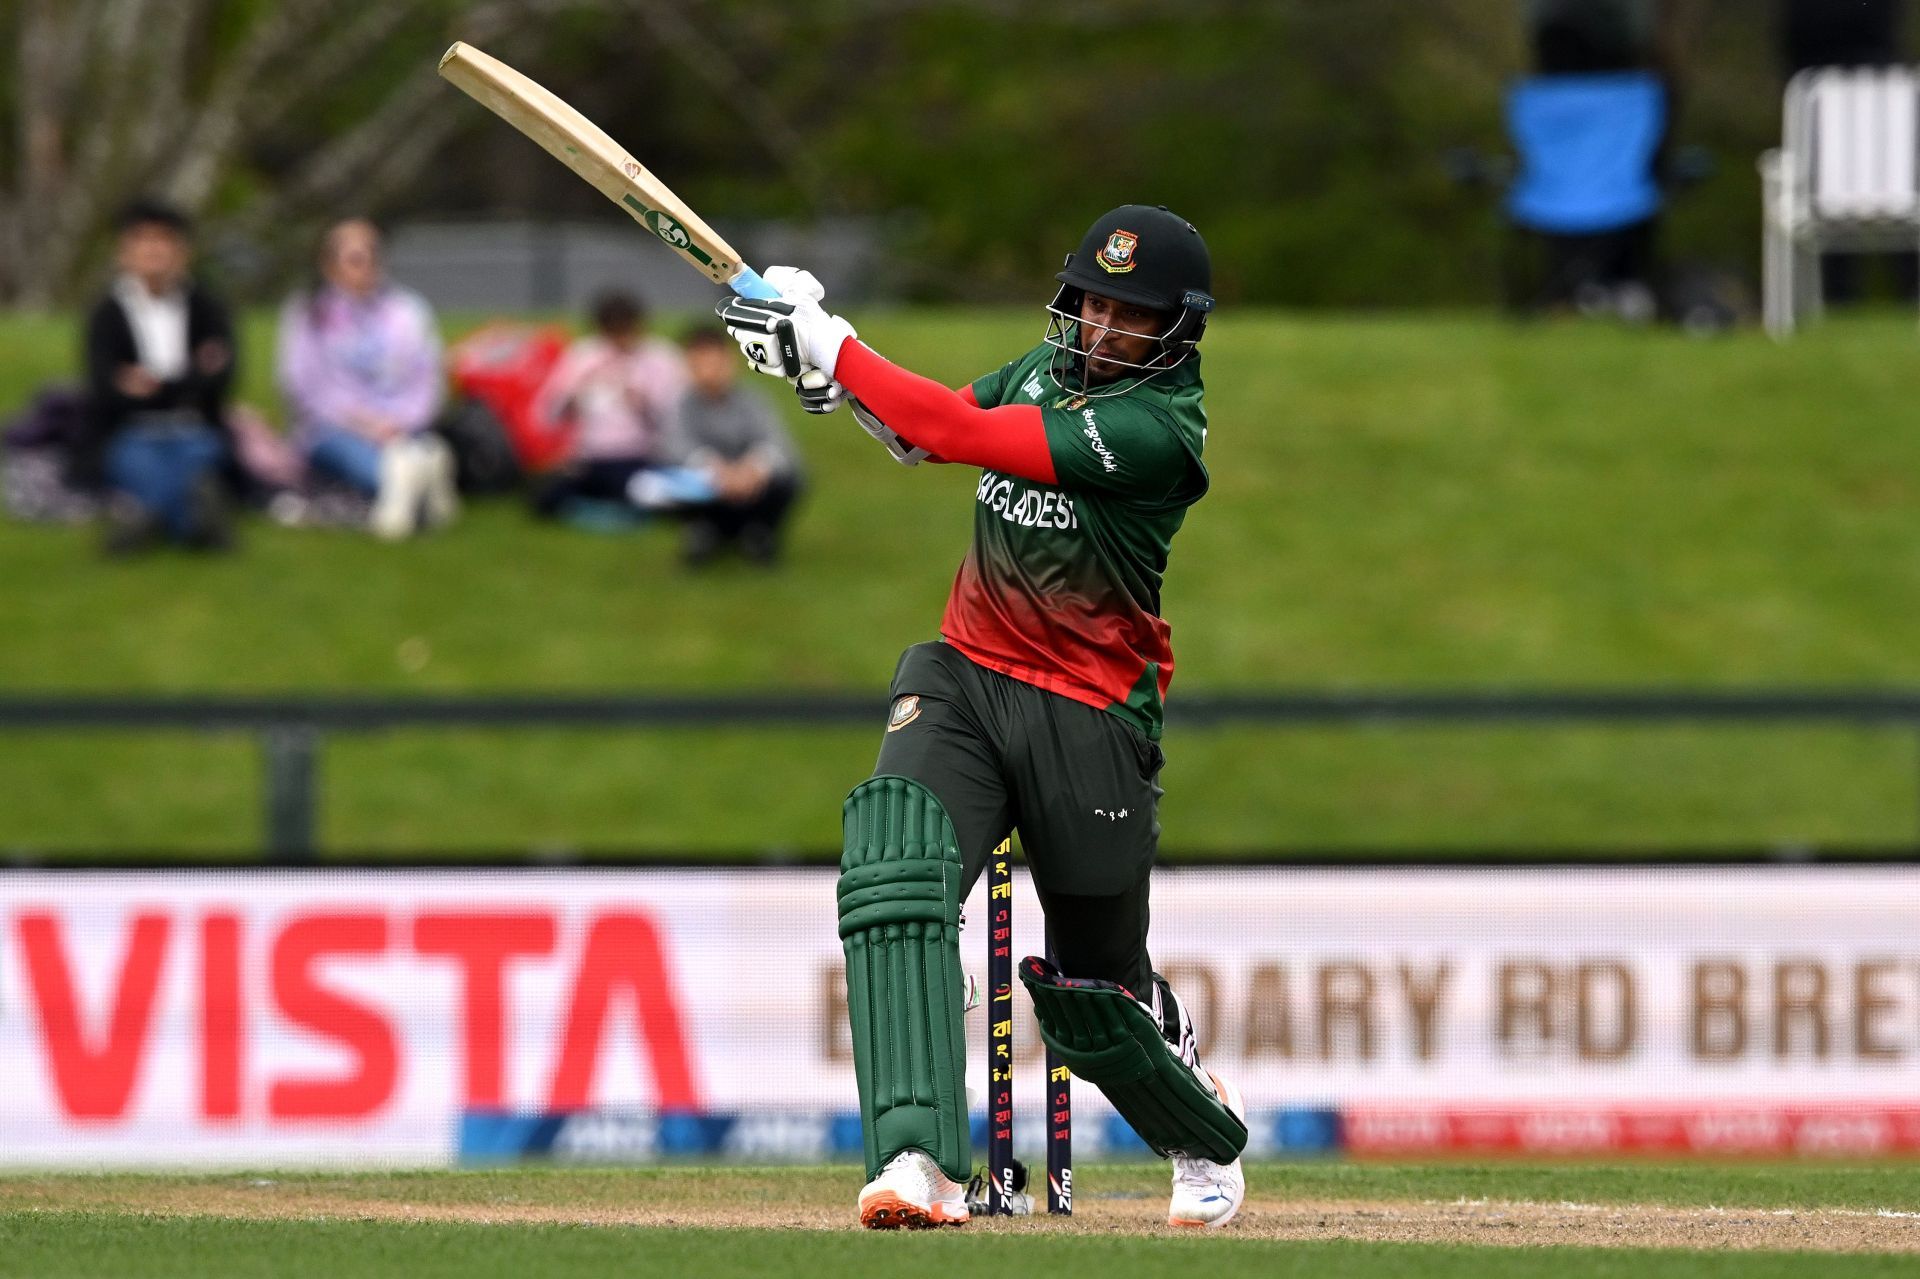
1107	1038
900	877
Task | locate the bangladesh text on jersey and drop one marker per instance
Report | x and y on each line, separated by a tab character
1061	587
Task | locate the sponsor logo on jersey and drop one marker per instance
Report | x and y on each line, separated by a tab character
1032	387
905	711
1015	503
1108	462
1116	256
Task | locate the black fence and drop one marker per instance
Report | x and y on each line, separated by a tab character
292	730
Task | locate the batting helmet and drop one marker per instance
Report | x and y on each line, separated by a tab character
1141	254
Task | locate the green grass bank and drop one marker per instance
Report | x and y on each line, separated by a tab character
1398	501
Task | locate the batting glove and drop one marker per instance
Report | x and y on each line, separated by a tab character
795	285
783	338
818	393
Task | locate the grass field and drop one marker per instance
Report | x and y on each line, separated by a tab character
1398	501
1348	1219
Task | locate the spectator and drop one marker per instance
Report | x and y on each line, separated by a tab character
1587	37
1572	37
1857	33
360	367
732	437
159	356
1593	127
617	391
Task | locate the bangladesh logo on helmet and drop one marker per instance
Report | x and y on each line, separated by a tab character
1116	257
667	229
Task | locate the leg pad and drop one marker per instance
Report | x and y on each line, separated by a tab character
1108	1038
900	880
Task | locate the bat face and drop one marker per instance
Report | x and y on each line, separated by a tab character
585	148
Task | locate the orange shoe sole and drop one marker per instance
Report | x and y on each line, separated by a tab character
888	1211
1191	1223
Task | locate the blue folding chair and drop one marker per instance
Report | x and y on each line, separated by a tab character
1588	187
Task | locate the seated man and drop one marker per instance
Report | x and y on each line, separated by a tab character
617	389
733	438
159	353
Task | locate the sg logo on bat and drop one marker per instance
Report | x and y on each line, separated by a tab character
667	229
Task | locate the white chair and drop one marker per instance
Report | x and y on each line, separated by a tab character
1844	179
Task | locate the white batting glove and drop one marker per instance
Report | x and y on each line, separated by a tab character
794	285
903	453
818	393
782	338
764	333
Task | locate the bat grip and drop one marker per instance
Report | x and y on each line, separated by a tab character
748	284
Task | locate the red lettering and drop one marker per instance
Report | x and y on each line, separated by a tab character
623	954
482	943
94	1083
222	1016
362	1030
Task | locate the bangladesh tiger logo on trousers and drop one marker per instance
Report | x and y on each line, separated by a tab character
905	711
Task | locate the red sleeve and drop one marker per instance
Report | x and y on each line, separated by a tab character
948	424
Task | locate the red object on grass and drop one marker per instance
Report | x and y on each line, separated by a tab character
503	366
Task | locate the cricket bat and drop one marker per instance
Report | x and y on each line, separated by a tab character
584	147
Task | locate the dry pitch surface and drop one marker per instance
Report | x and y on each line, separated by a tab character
1804	1208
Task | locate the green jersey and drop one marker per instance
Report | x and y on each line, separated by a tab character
1061	588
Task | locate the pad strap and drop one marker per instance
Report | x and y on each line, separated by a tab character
900	879
1108	1038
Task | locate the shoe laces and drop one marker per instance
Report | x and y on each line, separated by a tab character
915	1164
1201	1174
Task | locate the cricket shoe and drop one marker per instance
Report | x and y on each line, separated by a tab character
405	473
1206	1193
911	1191
440	502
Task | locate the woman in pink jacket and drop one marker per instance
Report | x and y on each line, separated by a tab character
359	364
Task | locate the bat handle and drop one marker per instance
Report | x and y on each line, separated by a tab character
748	284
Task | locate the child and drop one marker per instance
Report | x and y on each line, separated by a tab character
731	436
617	389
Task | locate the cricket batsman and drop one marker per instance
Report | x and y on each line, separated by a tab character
1039	708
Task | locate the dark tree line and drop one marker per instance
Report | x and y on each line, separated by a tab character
1303	136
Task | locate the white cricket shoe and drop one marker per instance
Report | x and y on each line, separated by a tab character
911	1191
404	475
442	496
1206	1193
